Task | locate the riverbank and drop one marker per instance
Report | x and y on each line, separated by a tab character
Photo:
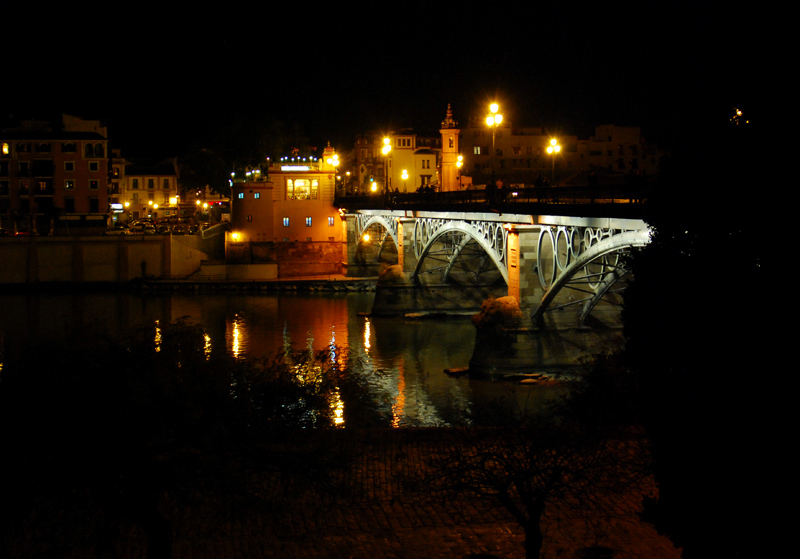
152	284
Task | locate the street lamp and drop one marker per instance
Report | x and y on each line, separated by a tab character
493	120
553	149
333	161
459	164
387	147
405	178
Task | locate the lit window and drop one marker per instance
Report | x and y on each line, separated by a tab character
330	221
6	149
477	150
94	185
249	218
308	222
286	222
240	196
257	195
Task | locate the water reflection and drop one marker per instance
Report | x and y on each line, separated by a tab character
402	362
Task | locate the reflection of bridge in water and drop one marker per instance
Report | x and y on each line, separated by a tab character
559	251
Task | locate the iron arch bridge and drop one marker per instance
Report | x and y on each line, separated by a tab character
446	241
584	260
582	257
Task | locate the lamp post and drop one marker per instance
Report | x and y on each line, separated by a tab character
334	162
405	178
493	120
459	163
387	147
553	149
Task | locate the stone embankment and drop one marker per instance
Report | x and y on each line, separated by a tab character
335	283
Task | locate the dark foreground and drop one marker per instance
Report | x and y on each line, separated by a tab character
382	512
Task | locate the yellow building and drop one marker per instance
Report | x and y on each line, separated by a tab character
288	217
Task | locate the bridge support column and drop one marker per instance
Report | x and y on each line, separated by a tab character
523	280
351	254
405	253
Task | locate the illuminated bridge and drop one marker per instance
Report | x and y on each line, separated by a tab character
554	249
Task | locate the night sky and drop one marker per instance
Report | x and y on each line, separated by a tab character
171	81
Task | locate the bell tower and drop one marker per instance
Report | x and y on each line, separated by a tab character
449	171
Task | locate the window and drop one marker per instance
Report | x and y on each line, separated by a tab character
69	205
5	149
476	150
68	147
94	166
23	147
308	222
286	224
257	195
69	166
69	184
4	187
240	195
165	184
151	183
88	150
330	221
4	169
43	148
99	150
249	218
302	189
94	185
23	187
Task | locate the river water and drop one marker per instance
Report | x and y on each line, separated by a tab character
403	360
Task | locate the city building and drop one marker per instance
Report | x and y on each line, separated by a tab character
401	160
54	177
288	217
521	153
147	190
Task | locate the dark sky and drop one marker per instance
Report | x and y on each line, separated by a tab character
171	80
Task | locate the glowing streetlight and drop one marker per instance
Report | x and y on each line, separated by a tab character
493	120
405	178
334	162
387	147
553	149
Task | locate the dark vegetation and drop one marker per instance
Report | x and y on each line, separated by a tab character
98	434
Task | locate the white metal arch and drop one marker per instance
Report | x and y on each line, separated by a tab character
609	245
491	237
364	222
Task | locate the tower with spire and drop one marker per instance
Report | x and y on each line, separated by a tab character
448	176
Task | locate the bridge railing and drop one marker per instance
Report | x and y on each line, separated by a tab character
625	198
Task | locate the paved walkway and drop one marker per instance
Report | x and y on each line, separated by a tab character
391	519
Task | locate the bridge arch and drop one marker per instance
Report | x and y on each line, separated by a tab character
452	237
389	225
598	265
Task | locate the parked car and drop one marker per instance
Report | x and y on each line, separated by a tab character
145	228
118	230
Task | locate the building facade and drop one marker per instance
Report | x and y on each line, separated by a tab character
54	178
288	217
520	153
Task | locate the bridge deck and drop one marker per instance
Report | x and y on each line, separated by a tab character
608	201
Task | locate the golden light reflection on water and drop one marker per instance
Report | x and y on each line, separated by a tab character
367	335
158	336
207	345
237	336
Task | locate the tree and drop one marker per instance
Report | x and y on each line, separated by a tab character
698	336
579	474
